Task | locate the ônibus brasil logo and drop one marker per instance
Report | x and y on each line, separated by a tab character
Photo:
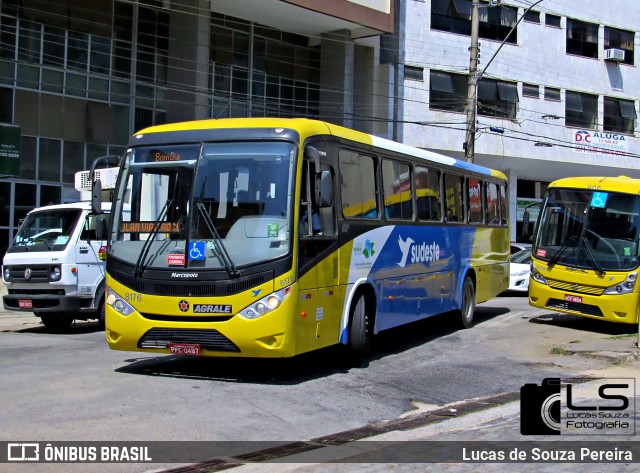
417	252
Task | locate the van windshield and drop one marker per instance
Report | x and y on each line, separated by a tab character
46	230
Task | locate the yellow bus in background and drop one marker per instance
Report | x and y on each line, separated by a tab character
275	237
585	249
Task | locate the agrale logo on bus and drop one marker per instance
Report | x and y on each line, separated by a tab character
417	252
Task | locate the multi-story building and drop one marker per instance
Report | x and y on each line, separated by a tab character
79	77
557	97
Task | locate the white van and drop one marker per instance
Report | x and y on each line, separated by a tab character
55	266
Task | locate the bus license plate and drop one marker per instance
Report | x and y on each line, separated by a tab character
184	348
571	298
25	303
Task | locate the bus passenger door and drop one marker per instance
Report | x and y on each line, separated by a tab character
320	299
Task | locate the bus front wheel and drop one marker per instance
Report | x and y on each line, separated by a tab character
468	307
359	337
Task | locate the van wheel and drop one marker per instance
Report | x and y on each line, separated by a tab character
468	307
57	322
359	335
101	315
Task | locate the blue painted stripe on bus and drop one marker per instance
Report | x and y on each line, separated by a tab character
416	270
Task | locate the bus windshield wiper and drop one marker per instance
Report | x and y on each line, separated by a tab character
223	254
147	244
554	259
596	263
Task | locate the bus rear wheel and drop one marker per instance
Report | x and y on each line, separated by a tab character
359	333
468	306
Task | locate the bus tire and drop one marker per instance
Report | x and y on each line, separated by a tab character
56	322
359	338
468	306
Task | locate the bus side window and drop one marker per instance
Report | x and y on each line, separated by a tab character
454	199
428	194
493	204
358	185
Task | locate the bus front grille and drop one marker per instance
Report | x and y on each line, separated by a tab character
207	339
586	309
576	288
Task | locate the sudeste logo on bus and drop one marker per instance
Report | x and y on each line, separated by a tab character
417	252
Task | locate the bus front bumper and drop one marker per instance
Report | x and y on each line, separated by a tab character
265	337
621	308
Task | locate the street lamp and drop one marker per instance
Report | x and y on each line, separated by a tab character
475	76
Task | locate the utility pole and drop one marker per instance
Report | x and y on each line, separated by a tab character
475	76
471	105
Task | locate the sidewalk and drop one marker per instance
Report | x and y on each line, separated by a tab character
434	440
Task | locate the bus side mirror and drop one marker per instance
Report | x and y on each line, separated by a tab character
324	189
96	197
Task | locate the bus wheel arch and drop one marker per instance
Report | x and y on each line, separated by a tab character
361	324
467	301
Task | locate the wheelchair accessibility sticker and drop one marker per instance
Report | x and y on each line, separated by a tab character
196	251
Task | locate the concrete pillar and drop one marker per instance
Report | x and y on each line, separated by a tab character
337	63
363	101
188	69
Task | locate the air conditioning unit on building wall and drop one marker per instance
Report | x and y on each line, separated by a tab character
616	55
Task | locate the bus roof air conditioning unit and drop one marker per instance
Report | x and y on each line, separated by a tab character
616	55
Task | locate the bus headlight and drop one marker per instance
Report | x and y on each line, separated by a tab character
118	303
535	274
266	304
624	287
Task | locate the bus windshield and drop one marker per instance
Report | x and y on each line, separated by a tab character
211	205
589	229
46	230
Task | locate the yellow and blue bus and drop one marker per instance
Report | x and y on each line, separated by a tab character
264	237
585	249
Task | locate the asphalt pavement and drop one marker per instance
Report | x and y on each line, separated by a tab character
482	435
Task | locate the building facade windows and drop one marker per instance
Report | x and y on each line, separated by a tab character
582	38
531	90
414	73
267	73
620	39
454	16
551	93
497	98
532	16
581	110
447	91
553	21
619	115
